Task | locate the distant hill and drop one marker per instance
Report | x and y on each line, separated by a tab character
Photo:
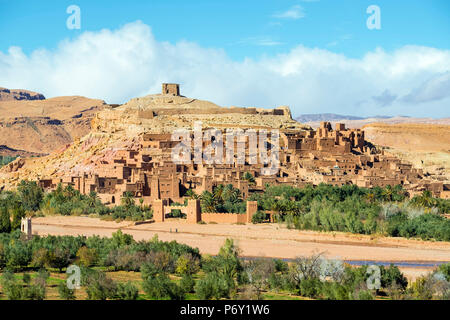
6	151
325	117
355	122
19	94
317	117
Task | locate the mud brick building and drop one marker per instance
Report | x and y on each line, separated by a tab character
336	156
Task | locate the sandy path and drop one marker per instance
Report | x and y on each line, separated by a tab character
256	240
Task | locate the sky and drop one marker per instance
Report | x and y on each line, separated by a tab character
315	56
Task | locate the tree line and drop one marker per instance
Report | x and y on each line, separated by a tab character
174	271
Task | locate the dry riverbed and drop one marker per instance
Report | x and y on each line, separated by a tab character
267	240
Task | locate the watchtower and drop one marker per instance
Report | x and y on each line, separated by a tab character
25	227
172	89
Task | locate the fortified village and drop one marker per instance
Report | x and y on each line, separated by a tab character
144	166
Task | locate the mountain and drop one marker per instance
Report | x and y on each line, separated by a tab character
31	124
19	94
324	117
354	122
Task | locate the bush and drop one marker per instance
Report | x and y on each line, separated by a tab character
334	291
87	256
214	286
65	293
187	264
187	283
100	287
310	287
161	287
127	291
41	258
393	276
258	217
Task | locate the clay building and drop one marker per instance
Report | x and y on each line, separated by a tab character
336	157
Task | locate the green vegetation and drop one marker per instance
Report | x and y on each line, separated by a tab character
4	160
385	211
29	198
225	199
122	269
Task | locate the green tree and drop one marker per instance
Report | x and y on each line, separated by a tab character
5	223
30	195
127	199
65	293
249	177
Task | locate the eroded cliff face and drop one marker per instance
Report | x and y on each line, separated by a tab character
42	126
426	146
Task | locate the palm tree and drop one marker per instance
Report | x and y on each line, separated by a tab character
92	199
218	193
208	202
249	177
387	193
191	194
426	199
127	199
231	194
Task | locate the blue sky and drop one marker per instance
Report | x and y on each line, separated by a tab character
245	35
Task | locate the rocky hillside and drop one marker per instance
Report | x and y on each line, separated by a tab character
19	94
115	129
426	146
39	126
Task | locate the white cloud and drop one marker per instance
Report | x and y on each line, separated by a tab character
295	12
434	89
128	62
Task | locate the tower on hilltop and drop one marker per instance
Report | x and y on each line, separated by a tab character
172	89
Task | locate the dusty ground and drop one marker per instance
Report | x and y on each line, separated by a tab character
269	240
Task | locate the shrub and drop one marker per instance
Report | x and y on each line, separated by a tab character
60	258
214	286
187	264
258	217
100	287
127	291
310	287
187	283
87	256
161	287
65	293
41	258
392	276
